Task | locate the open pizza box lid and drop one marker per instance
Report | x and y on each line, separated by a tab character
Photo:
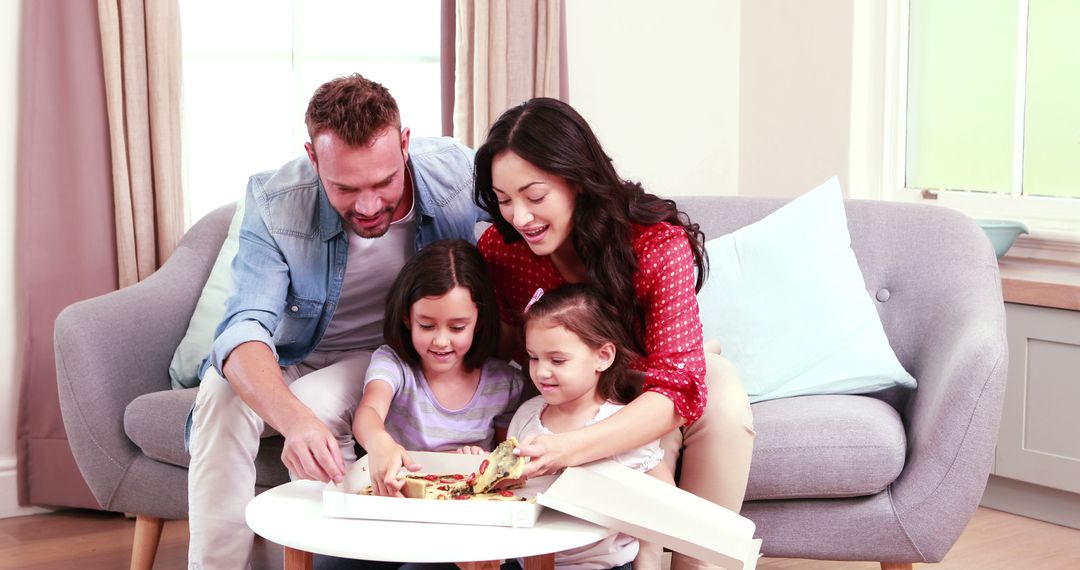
620	498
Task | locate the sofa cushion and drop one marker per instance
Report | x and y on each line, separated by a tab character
787	301
210	309
147	420
825	446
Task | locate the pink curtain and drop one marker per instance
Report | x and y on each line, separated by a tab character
447	55
65	225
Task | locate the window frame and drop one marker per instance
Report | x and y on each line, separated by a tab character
879	137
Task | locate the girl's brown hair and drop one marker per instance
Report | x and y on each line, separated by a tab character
433	272
580	309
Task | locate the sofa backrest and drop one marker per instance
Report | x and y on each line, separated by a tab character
918	258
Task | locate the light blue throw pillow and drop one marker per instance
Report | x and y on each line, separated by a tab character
787	301
199	338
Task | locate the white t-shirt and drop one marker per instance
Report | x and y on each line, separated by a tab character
373	265
614	550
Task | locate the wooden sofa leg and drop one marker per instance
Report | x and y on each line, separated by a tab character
147	537
896	566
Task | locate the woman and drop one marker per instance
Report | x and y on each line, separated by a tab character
563	215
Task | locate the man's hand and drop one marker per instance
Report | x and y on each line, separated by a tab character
311	452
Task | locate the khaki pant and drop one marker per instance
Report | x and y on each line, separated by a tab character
715	451
225	438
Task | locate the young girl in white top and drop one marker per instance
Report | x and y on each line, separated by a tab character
434	385
578	360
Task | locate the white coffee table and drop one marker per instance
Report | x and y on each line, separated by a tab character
291	515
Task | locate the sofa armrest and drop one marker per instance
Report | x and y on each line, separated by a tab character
952	419
116	347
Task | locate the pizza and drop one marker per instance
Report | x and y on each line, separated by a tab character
431	486
499	472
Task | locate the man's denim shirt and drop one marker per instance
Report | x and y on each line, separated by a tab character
288	272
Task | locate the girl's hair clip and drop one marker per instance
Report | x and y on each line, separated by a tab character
536	297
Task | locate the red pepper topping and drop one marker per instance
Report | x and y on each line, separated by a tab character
471	479
506	493
430	477
458	476
462	497
483	466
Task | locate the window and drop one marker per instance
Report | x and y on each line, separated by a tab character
987	119
250	67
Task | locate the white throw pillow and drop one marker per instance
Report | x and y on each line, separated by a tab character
199	338
787	301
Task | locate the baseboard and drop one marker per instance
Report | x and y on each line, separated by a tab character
1033	501
9	492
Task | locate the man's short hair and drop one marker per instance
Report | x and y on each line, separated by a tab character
352	107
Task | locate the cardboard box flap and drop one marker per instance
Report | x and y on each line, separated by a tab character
620	498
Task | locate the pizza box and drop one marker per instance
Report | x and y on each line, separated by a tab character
604	493
617	497
342	500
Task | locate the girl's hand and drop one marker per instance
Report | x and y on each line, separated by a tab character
472	450
384	465
547	454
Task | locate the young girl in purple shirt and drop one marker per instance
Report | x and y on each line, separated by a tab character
434	385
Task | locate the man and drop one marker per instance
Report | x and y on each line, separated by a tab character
322	239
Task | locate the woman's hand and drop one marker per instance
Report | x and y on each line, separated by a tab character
547	454
384	461
471	450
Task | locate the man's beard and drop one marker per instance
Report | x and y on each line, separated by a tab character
377	231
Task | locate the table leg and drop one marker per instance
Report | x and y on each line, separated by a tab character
483	565
541	562
297	559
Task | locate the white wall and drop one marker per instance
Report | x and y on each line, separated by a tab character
659	84
747	97
9	383
795	85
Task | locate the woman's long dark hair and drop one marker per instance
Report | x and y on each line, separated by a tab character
552	136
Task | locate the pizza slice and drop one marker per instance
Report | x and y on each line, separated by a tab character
431	486
501	470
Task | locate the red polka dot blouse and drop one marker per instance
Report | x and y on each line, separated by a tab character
674	363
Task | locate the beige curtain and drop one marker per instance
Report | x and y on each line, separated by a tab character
507	51
140	43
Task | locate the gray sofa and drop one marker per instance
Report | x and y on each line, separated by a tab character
892	478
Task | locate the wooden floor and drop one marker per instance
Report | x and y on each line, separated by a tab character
88	540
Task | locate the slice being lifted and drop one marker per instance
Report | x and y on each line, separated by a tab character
501	470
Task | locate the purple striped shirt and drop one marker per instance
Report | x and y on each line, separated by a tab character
417	420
